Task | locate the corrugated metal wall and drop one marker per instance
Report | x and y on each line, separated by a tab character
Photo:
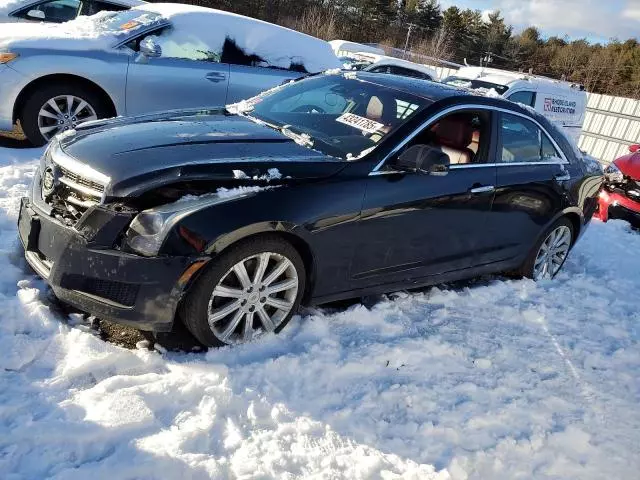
610	126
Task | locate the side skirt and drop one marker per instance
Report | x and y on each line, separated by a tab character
498	267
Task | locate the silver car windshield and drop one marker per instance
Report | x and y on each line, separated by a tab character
339	115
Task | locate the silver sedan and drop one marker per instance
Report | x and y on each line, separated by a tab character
151	58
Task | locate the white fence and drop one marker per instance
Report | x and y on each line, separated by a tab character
610	126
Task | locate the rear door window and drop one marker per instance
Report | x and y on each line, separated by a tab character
524	142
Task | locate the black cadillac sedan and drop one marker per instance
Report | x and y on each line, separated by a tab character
335	186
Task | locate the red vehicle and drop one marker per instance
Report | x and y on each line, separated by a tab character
620	196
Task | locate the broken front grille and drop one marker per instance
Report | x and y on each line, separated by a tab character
72	196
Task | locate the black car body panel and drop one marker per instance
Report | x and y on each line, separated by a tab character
361	226
138	156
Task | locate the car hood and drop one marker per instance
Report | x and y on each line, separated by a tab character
140	154
630	165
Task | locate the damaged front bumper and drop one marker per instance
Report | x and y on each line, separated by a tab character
615	204
84	269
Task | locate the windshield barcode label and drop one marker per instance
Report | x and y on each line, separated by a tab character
361	123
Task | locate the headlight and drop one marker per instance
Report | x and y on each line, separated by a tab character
149	228
613	174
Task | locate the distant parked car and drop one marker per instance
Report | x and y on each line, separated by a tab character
331	187
620	197
154	57
397	66
58	11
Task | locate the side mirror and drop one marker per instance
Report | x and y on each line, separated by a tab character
424	159
36	14
150	48
634	148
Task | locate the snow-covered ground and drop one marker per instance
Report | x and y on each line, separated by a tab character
495	379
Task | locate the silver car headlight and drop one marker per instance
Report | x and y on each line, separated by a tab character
613	174
149	228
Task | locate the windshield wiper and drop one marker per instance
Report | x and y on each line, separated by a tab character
300	138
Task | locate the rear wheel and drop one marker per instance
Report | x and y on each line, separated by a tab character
57	108
253	289
548	256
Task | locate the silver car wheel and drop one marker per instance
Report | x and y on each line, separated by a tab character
253	297
63	113
552	254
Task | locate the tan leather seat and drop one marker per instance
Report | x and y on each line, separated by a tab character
453	135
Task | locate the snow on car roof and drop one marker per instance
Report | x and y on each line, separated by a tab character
278	46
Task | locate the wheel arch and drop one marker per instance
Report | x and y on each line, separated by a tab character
283	230
64	78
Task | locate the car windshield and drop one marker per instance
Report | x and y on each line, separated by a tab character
339	115
475	84
123	22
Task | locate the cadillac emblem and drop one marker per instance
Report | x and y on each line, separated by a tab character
48	181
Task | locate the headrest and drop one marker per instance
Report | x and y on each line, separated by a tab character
375	109
454	131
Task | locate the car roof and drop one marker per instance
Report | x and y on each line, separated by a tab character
426	89
446	94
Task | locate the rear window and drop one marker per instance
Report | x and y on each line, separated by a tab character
474	84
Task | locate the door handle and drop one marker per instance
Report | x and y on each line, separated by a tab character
483	189
562	177
216	77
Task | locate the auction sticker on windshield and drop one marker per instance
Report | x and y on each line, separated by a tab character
361	123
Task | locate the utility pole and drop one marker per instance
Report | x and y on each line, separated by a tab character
406	43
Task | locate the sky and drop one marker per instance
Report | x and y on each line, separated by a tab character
596	20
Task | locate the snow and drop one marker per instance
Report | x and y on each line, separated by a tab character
97	32
492	378
200	29
206	30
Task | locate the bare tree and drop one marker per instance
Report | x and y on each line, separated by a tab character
439	45
315	21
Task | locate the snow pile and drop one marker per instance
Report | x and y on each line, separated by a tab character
489	379
206	30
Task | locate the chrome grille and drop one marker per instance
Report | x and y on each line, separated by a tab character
79	183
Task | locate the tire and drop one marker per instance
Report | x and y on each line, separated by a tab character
201	305
29	117
528	268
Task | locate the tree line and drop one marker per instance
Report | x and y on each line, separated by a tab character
454	34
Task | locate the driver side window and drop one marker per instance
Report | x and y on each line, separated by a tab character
464	136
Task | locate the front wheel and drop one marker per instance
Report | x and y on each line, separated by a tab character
548	256
252	289
57	108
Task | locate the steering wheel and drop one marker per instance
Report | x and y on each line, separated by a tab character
308	109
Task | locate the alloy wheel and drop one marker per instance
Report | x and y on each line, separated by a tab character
63	113
253	297
552	254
